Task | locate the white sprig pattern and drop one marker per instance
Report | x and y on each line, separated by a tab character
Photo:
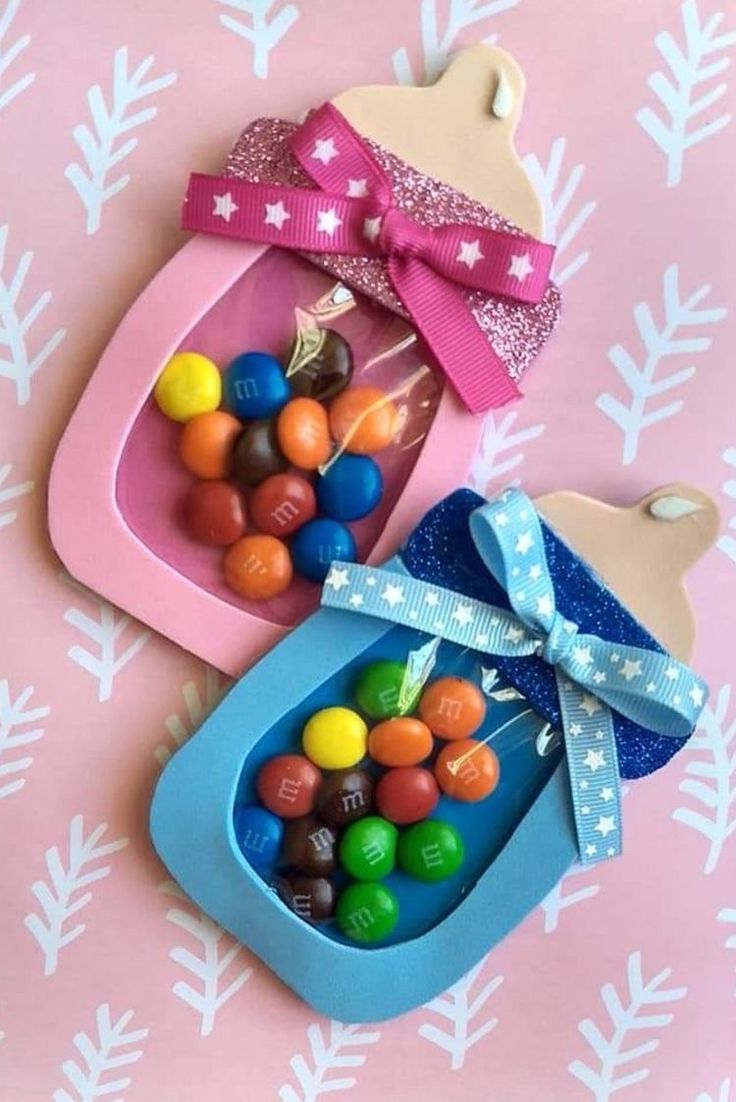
327	1055
210	967
660	343
560	226
558	900
109	124
493	460
58	898
17	363
197	706
459	1006
437	45
687	118
11	53
724	1093
9	493
728	914
607	1075
104	633
727	543
100	1057
711	778
15	714
265	29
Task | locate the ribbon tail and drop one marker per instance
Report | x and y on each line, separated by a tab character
592	763
443	319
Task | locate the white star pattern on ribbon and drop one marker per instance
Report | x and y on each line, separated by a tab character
544	605
357	600
599	736
481	639
514	635
520	595
582	655
585	809
697	696
630	670
327	221
324	150
276	214
501	520
605	824
372	228
469	253
651	687
599	677
615	658
524	543
370	581
463	614
535	572
594	759
606	794
520	267
671	673
393	595
590	850
337	578
583	784
224	206
590	704
432	600
576	729
357	189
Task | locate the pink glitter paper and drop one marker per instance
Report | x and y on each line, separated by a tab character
516	331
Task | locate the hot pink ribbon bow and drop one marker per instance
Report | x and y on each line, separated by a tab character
351	212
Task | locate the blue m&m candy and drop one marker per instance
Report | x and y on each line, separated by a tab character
350	488
319	543
255	385
259	834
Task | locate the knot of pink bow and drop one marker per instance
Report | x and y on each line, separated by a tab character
351	212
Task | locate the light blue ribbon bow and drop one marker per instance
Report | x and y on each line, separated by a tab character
593	675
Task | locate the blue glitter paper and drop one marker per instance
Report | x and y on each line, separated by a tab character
441	550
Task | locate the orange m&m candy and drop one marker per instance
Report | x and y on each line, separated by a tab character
400	741
452	707
206	444
467	770
364	420
258	567
304	434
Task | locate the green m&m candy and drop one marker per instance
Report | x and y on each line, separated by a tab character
431	850
367	912
381	691
368	848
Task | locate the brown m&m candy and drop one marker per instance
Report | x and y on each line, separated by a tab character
344	796
281	504
320	364
287	785
310	897
214	513
310	846
256	454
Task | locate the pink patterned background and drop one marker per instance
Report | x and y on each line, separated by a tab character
623	981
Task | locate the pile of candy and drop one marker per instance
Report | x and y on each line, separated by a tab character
290	456
346	822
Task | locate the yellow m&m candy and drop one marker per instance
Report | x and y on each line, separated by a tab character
335	738
189	384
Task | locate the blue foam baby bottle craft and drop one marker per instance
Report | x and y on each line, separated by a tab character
391	789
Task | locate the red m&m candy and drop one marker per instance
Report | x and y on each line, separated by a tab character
281	504
287	785
214	513
407	794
